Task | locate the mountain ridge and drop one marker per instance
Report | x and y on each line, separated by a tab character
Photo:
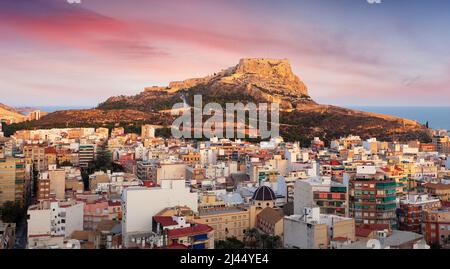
258	80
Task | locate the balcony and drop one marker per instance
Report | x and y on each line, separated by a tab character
200	237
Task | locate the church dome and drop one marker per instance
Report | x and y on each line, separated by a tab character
264	193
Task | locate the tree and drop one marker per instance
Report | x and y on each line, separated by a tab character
103	159
116	167
427	125
65	163
85	177
11	212
229	243
252	237
35	178
272	242
165	132
264	238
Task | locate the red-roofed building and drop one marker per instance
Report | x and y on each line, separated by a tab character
199	236
165	221
176	233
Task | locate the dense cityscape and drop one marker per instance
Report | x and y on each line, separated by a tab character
106	189
146	133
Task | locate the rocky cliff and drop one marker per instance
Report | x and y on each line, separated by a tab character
261	80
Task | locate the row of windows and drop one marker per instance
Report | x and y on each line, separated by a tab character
441	227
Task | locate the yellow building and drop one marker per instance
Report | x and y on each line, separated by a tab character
439	190
147	131
190	158
50	155
227	221
35	155
12	180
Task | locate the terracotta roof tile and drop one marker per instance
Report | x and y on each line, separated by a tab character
189	231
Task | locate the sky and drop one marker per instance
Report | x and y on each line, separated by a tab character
348	52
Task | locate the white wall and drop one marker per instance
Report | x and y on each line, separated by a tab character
303	196
296	234
141	204
171	171
39	222
58	183
367	169
74	219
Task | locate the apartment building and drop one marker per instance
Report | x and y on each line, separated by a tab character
86	155
437	227
13	180
50	219
373	198
35	154
412	211
330	196
439	190
313	230
138	218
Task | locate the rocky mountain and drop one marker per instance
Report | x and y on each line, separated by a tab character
252	80
10	115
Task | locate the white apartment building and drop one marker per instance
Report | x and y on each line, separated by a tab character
50	219
140	204
312	230
118	181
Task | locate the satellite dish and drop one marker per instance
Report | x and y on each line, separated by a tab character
73	244
373	244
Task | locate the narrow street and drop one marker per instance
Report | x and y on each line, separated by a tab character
21	234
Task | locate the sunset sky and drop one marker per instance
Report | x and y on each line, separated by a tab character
348	52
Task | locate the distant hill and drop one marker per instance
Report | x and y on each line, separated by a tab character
10	115
252	80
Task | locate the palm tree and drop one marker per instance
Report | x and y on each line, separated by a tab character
273	242
252	237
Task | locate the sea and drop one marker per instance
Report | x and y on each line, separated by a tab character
437	117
